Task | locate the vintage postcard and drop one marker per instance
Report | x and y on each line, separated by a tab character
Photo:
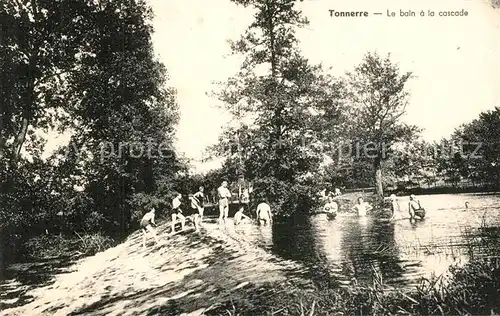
249	157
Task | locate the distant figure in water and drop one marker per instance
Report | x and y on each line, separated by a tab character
331	208
337	192
147	220
239	217
362	208
415	209
466	205
395	207
264	215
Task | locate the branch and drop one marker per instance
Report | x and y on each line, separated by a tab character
43	79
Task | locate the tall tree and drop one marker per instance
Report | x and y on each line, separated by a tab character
277	88
40	42
89	66
378	100
477	149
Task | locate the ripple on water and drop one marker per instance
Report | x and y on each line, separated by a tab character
400	252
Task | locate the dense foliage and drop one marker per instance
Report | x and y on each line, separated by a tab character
88	69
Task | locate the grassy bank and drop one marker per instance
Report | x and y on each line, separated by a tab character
473	289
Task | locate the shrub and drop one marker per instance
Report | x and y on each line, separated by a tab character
91	244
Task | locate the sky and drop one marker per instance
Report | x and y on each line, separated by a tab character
455	60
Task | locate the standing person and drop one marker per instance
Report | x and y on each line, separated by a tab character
395	207
177	212
194	213
147	220
264	215
245	196
415	209
199	198
224	195
362	208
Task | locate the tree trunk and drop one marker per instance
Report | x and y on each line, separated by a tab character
379	190
21	137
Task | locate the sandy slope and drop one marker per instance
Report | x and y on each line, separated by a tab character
186	275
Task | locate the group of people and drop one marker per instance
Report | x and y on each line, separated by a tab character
362	208
194	212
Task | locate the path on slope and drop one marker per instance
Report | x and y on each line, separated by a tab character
185	275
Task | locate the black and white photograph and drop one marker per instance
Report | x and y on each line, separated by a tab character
249	157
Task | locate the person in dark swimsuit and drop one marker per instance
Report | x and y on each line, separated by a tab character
177	213
199	198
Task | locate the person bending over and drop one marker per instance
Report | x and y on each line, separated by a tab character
239	217
264	215
146	225
415	209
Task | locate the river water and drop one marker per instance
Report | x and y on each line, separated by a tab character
400	253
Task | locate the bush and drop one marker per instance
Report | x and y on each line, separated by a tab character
48	246
93	243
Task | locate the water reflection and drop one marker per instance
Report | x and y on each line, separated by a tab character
400	252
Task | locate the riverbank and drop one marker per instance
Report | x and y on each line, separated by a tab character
470	290
187	273
223	273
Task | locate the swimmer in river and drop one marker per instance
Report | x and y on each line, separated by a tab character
466	205
331	208
362	208
415	209
395	207
239	217
264	215
146	225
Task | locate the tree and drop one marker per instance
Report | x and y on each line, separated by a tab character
40	43
378	99
477	149
277	88
88	67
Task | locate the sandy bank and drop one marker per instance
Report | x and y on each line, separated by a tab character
186	275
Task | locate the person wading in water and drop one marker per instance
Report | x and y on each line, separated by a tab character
362	208
415	209
264	215
239	217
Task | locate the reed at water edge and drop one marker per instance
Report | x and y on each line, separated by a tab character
470	289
